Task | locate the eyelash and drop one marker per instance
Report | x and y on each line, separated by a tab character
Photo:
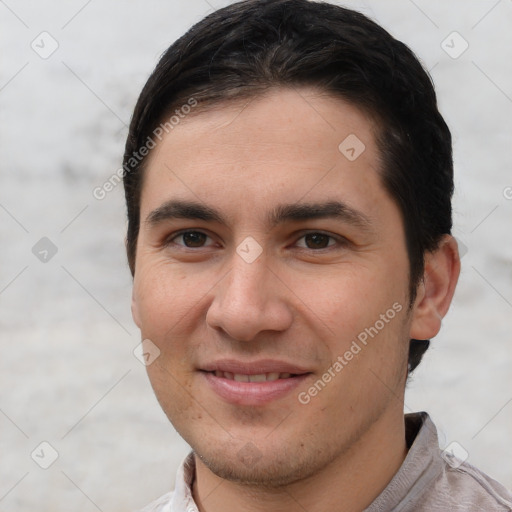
340	241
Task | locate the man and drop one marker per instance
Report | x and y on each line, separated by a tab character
288	180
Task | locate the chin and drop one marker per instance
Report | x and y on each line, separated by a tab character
261	473
272	466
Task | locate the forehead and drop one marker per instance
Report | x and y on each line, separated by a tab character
289	144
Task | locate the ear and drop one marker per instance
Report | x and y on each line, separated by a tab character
435	291
135	308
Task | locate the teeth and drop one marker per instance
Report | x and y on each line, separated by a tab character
257	378
261	377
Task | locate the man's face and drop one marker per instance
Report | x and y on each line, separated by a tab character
275	282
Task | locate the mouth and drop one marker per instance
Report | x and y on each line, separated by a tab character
256	383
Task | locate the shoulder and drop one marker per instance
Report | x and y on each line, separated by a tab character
432	480
465	487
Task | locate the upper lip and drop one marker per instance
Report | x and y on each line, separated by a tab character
254	367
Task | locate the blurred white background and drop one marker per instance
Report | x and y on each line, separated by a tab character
67	372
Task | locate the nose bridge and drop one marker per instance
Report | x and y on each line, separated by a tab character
246	287
247	301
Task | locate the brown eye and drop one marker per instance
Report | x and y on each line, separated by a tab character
190	239
194	239
317	241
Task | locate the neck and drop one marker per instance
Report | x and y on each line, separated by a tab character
350	483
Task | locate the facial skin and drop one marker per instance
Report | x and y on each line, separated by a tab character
303	301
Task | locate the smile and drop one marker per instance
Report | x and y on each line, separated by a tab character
256	383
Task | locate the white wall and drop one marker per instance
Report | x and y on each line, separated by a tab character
67	372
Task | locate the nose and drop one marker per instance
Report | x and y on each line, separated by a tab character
249	300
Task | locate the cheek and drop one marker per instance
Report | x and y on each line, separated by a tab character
164	296
173	387
345	299
166	299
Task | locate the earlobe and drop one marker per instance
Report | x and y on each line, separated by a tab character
435	292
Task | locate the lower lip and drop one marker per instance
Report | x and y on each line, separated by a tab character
252	393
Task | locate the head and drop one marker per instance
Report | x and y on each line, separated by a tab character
301	147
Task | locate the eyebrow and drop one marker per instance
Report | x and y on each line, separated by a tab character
292	212
178	209
310	211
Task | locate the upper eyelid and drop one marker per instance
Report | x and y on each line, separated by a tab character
304	232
